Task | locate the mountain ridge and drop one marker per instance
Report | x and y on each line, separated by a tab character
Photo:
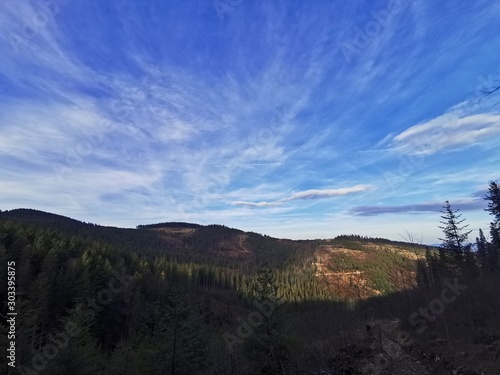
29	214
358	267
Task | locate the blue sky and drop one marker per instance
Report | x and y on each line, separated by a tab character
295	119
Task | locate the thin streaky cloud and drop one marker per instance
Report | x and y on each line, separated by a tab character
463	205
307	194
156	111
453	129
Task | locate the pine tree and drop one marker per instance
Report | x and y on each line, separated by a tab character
172	341
78	350
431	271
455	244
268	348
482	253
493	196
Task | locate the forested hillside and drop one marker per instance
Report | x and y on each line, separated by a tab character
180	298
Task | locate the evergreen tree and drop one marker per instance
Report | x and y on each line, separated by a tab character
78	351
482	253
493	196
172	341
430	273
268	348
455	243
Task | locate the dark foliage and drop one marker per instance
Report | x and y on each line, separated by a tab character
160	299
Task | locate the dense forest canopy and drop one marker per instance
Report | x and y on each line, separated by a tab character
179	302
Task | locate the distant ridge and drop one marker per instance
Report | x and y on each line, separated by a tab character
35	215
173	224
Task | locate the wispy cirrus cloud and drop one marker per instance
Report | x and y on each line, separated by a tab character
147	112
466	204
306	194
256	204
327	193
457	128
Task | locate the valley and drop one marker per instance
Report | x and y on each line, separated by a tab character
347	299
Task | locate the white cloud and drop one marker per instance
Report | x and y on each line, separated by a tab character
306	194
256	204
327	193
456	128
30	131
